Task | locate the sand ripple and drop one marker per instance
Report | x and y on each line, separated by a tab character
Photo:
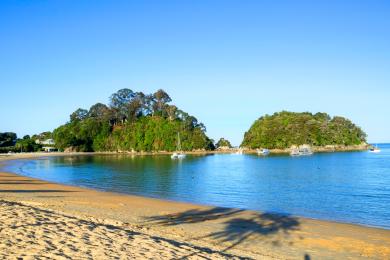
29	232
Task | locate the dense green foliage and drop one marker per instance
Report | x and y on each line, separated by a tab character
27	144
10	143
7	142
133	121
7	139
222	142
42	136
284	129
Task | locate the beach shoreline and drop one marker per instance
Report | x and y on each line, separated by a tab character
316	149
203	231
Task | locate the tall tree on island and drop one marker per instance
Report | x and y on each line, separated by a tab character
119	102
161	99
79	115
132	122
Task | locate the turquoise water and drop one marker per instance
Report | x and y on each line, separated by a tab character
349	187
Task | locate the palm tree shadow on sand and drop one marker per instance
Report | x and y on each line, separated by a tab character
193	216
237	228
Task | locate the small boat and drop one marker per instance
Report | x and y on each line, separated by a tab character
179	154
305	151
374	149
294	152
301	150
263	152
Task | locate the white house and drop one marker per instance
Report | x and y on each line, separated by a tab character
49	149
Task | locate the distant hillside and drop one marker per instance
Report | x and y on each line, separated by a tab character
223	143
132	121
284	129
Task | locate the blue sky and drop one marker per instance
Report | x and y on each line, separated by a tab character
225	62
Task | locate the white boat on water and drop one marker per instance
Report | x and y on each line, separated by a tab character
301	150
294	152
263	152
179	154
305	151
374	149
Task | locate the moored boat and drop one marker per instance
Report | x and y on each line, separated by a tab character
305	151
374	149
179	154
301	150
294	152
263	152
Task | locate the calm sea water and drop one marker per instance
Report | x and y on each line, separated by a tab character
349	187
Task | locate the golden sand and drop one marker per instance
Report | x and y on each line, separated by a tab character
39	219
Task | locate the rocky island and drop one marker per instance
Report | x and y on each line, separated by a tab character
283	130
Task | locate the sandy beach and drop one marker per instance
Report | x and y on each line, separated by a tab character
39	219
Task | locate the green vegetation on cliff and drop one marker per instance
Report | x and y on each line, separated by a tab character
284	129
133	121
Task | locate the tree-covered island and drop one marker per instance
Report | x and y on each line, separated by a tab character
133	121
285	129
223	144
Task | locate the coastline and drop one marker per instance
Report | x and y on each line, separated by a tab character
319	149
316	149
205	231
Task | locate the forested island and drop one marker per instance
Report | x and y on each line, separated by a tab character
223	144
136	122
285	129
132	121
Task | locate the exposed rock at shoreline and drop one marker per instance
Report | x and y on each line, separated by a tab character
327	148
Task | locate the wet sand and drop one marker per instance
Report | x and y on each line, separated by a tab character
42	219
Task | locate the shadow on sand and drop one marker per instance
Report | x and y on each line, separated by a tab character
34	191
236	227
193	216
12	184
42	219
19	182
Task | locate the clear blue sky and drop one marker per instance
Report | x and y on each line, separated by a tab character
225	62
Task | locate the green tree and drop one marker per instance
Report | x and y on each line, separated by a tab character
99	110
27	145
119	103
78	115
161	99
284	129
133	121
7	139
222	142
